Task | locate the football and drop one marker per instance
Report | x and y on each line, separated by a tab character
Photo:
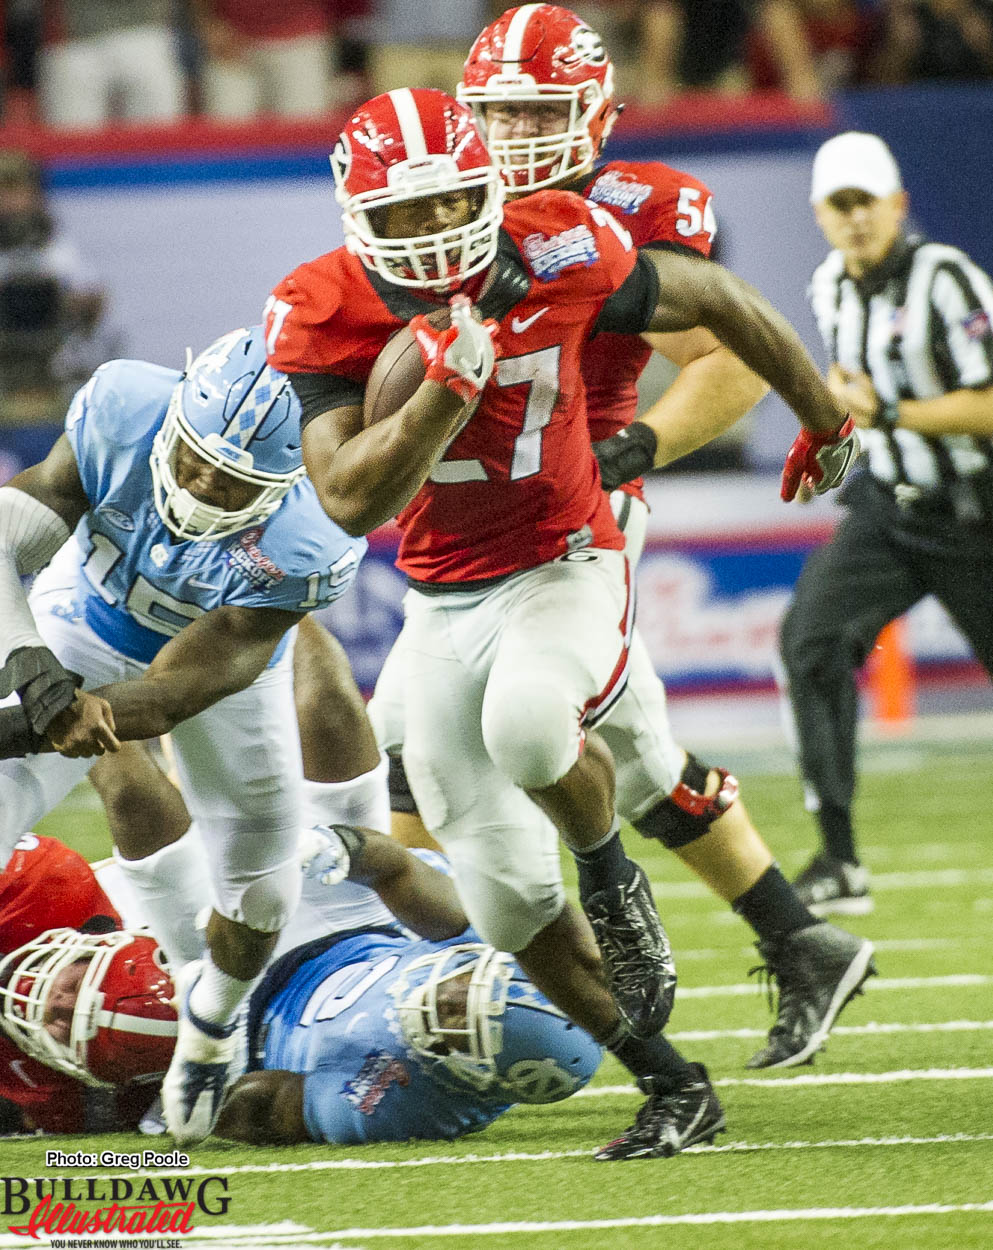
398	372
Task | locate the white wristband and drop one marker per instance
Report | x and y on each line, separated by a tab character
30	534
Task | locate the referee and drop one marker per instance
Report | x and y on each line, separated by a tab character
907	328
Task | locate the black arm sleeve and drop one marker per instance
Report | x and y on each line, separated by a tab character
320	392
629	309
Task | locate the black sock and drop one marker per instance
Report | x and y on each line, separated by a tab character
654	1057
771	906
836	830
605	867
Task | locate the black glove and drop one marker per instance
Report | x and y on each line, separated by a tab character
17	738
626	455
45	687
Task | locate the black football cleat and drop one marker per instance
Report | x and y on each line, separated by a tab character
636	953
829	885
818	970
669	1122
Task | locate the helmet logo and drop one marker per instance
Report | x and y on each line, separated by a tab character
586	48
538	1081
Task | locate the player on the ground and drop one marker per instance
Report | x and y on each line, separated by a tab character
199	546
520	604
47	885
541	85
361	1033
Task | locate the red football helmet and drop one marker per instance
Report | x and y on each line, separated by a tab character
535	54
122	1025
410	145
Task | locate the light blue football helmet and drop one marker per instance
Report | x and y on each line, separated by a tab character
469	1012
239	415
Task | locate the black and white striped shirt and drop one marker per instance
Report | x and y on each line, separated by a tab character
920	325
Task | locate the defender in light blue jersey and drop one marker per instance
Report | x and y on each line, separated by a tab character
198	547
372	1036
373	1033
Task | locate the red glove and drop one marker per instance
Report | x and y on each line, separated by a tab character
462	356
819	461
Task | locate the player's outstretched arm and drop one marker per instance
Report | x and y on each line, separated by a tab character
697	292
38	510
420	896
712	392
218	654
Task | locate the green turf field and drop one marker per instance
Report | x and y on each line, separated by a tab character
887	1141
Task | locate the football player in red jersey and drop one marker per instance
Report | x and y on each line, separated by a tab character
519	611
540	83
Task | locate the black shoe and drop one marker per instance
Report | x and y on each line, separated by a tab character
830	885
818	969
636	954
669	1122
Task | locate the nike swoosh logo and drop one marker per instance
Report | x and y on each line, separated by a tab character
520	324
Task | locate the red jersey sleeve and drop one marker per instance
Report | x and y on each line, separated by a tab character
657	203
574	249
297	312
324	317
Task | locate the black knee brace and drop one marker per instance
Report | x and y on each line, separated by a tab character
401	799
687	813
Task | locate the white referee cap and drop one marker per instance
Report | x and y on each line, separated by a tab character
854	160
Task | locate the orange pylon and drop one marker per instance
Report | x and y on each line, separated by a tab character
892	686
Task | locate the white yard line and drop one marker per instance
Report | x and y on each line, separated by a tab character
287	1234
840	1030
873	985
881	944
928	878
821	1078
545	1156
659	1221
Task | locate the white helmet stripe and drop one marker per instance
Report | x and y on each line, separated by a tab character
515	37
125	1023
411	130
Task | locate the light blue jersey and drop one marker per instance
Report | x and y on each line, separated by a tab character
327	1010
138	585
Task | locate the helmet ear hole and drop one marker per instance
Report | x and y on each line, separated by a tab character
98	924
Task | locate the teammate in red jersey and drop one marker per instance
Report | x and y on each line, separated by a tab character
518	642
541	85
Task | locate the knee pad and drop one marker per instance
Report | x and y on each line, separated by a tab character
509	894
262	901
401	798
531	734
508	916
687	813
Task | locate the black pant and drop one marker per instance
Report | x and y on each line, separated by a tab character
881	560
